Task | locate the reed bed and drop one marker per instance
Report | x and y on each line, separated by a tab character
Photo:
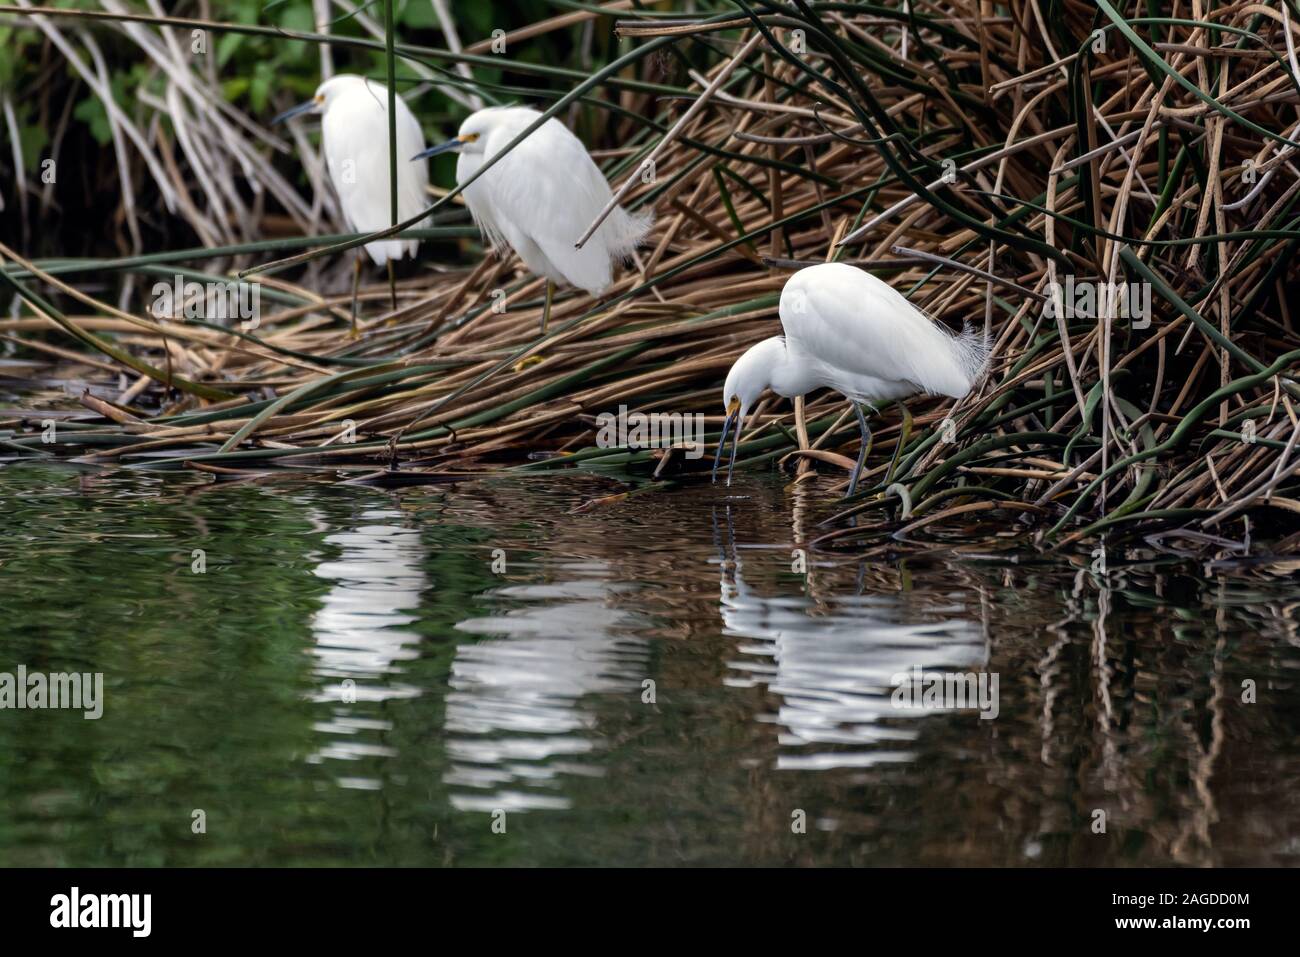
986	159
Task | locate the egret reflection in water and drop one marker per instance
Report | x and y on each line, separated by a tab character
1127	693
361	633
831	662
516	720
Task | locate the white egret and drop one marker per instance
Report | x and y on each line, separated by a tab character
541	197
849	331
354	133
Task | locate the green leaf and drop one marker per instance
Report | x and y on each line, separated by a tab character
227	46
419	14
34	140
259	91
91	112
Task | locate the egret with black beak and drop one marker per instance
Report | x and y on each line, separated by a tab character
849	331
541	197
354	133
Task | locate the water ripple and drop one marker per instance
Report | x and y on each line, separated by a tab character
517	698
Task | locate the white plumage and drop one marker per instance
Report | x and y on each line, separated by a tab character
542	196
354	128
851	332
868	342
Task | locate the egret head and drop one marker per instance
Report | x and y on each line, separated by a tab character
749	376
326	93
471	139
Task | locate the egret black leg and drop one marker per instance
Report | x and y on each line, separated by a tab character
356	282
392	286
546	310
862	454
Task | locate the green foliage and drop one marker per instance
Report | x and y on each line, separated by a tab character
34	140
91	111
256	74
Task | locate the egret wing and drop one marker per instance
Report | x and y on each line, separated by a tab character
848	320
545	193
356	152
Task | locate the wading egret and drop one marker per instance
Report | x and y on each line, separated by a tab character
354	133
541	197
849	331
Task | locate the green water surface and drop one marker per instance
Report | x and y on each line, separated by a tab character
353	676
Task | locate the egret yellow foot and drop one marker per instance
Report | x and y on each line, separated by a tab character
527	361
356	282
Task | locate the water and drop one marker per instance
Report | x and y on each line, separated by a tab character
352	681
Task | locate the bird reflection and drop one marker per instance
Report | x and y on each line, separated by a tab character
831	663
361	634
518	713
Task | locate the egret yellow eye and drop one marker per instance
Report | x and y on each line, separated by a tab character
733	405
469	138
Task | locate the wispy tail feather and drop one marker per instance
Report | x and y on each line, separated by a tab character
627	230
968	350
972	348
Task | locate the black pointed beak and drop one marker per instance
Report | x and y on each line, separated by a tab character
722	445
733	418
440	148
735	446
298	110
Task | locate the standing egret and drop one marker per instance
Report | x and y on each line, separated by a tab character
851	332
541	197
354	131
